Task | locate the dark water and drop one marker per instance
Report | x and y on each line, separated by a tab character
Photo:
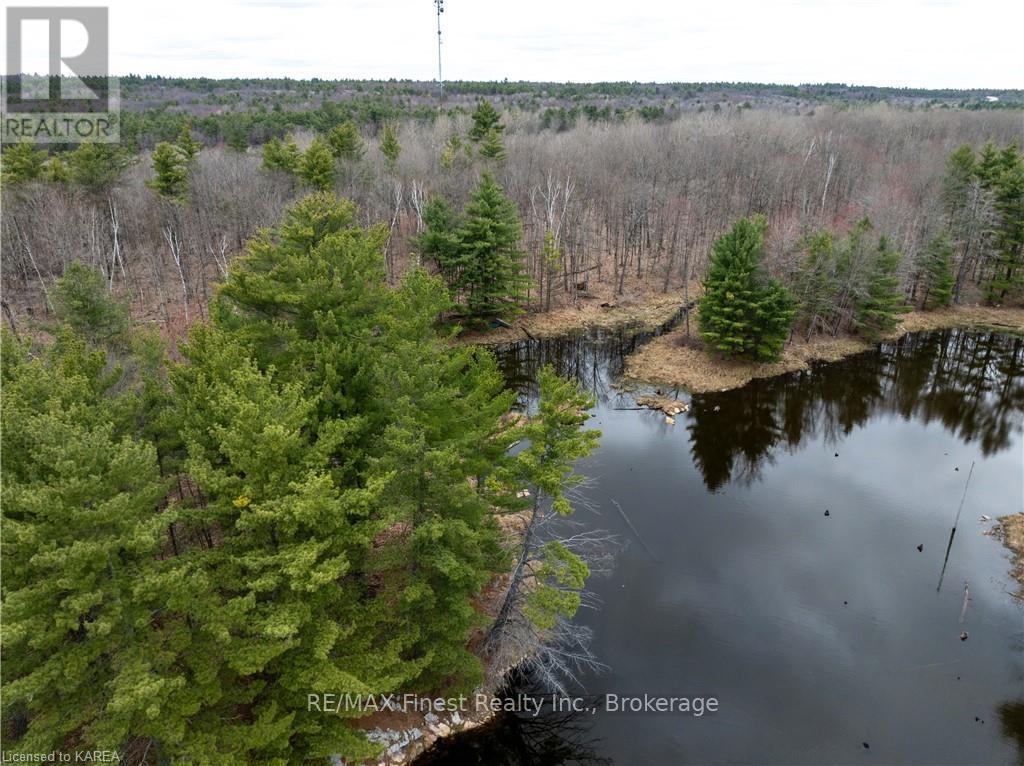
816	634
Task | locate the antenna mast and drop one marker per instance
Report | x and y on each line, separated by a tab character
440	10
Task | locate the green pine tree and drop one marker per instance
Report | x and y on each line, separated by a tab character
490	277
439	241
1004	177
547	580
937	271
187	143
816	284
171	167
389	146
344	451
56	170
81	545
83	302
743	312
491	147
317	167
877	309
345	142
21	162
98	167
284	156
486	121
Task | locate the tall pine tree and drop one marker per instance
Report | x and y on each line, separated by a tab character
877	309
743	312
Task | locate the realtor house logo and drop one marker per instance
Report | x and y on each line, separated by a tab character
57	88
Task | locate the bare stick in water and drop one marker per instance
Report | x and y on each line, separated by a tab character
952	532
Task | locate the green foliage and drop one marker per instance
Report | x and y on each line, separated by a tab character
743	312
284	156
97	167
486	122
556	439
56	170
317	166
478	252
171	167
345	141
21	162
83	302
334	435
878	308
960	171
490	277
1002	173
816	283
389	145
491	148
440	238
937	270
187	143
80	545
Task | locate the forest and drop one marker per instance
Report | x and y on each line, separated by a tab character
247	458
629	207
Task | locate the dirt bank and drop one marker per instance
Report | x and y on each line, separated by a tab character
600	309
674	360
1011	531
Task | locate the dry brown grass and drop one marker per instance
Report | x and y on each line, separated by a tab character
675	361
645	305
1011	531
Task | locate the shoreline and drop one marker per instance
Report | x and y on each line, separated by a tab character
1010	531
602	311
672	360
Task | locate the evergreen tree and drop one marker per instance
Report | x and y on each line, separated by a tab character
187	143
816	284
97	167
486	122
743	312
490	276
21	162
345	141
317	167
334	435
877	309
937	270
389	146
546	583
491	148
440	238
960	172
81	541
284	156
171	167
1004	177
56	170
82	302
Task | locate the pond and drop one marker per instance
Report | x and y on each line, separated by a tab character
824	638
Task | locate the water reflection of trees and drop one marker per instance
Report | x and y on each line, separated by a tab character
969	382
593	358
1011	724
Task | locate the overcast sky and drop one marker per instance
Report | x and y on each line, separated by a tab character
925	43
